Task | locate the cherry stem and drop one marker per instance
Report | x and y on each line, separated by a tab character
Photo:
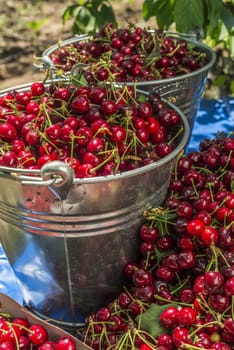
15	336
210	186
139	333
195	189
205	170
220	324
232	306
5	315
50	142
219	252
112	154
206	306
181	285
122	340
230	225
191	346
180	155
176	135
158	297
72	144
215	254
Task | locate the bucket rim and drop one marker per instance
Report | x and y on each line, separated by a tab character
211	55
114	177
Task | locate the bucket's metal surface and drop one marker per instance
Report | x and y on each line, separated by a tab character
68	239
185	91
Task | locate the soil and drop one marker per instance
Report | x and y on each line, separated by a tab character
27	28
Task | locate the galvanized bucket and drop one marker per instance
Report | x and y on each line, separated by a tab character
185	91
68	239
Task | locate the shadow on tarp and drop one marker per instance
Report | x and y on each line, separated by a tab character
214	116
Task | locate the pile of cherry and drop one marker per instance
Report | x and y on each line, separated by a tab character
180	293
98	130
18	333
129	54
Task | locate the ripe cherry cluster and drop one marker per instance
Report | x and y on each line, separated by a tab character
97	130
180	293
129	54
18	333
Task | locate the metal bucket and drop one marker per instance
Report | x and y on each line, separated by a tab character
68	239
185	91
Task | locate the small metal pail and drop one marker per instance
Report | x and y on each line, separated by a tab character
68	239
185	91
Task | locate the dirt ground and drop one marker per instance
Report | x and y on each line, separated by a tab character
27	28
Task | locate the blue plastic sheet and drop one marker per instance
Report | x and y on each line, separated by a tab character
214	116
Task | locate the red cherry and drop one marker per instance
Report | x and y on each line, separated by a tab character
33	107
7	132
103	314
144	110
124	300
22	323
65	343
229	286
153	125
85	170
168	317
115	323
195	227
37	334
95	145
83	135
53	132
15	120
45	158
10	159
32	137
130	269
118	134
180	336
97	95
209	235
148	234
7	345
48	345
145	347
186	316
142	278
108	107
24	343
62	94
143	135
37	89
23	97
26	158
213	280
80	104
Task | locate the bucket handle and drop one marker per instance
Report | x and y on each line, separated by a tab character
195	34
57	175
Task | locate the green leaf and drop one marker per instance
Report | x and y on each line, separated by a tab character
213	12
227	18
105	14
150	320
69	12
161	9
220	80
84	22
189	14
